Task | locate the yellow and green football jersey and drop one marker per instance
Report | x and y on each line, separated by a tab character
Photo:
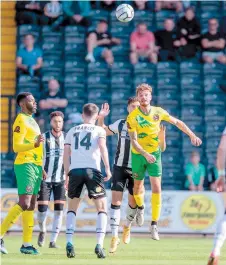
25	132
147	127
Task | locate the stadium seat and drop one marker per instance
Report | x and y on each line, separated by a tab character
121	31
216	99
28	29
215	113
51	49
48	31
167	83
192	68
97	82
212	144
121	68
98	96
192	113
74	31
191	97
145	69
172	130
169	97
98	68
142	79
214	128
167	68
212	84
190	82
171	156
27	83
120	82
120	96
73	80
97	15
214	70
76	67
205	16
75	48
73	92
173	110
173	141
118	111
52	65
144	16
120	52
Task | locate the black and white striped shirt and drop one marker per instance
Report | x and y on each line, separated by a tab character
53	157
123	153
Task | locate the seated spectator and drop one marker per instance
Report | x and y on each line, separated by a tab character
169	5
212	177
30	12
77	12
108	5
99	43
165	40
140	5
53	10
195	173
188	27
213	44
51	100
142	45
29	58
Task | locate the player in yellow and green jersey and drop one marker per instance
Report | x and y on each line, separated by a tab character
144	125
27	143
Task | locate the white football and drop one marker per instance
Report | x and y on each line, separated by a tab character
124	13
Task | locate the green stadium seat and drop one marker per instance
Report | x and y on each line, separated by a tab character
172	141
167	82
214	70
191	97
27	83
74	31
191	68
215	113
73	80
215	129
73	92
121	68
49	48
190	82
169	97
212	144
97	82
212	84
172	131
121	31
171	156
144	16
205	16
98	96
120	82
217	99
120	52
76	67
97	15
118	111
162	15
75	48
173	110
192	113
137	80
28	29
120	96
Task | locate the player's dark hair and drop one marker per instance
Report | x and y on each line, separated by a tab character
22	96
90	109
131	100
56	114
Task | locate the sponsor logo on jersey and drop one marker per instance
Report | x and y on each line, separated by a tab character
142	122
17	129
135	175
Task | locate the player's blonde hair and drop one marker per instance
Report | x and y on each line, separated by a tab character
143	87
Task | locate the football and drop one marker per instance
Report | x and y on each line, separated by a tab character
124	13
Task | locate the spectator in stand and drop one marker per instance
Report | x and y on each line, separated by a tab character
195	173
77	12
165	41
213	44
29	58
53	11
108	5
188	27
99	43
53	99
30	12
140	4
142	45
169	5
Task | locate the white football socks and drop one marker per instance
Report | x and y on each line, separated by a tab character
57	223
101	227
115	219
130	215
70	226
42	220
220	236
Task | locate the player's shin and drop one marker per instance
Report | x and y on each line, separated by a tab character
70	226
130	215
101	227
57	223
156	207
28	225
10	219
41	215
220	237
114	219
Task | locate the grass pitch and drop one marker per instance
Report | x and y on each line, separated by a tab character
141	251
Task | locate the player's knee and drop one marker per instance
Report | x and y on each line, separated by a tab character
58	207
42	208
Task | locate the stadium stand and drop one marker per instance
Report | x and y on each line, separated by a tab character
189	89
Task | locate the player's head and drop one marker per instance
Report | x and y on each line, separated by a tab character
133	103
102	26
195	158
29	40
57	120
144	94
27	102
90	112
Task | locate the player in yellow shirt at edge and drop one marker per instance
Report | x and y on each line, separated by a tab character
27	143
143	126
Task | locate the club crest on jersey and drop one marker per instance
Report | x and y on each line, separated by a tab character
135	175
29	188
142	122
98	189
155	117
17	129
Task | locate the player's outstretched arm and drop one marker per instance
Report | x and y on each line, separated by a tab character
104	112
133	138
196	141
104	155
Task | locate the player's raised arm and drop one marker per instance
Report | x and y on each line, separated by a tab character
104	112
104	154
196	141
19	145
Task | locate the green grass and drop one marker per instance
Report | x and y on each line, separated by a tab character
141	251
